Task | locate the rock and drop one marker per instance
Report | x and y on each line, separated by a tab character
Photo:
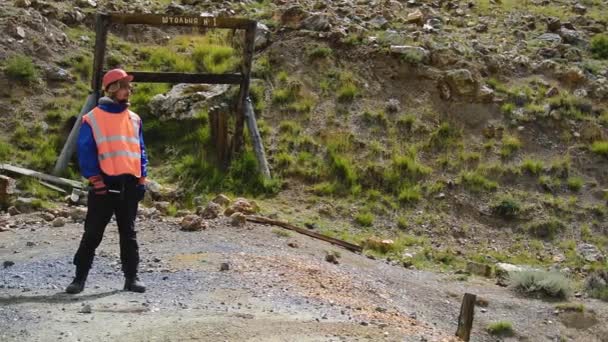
8	264
479	269
293	245
332	257
553	24
589	252
317	22
78	214
211	211
377	244
19	33
23	3
393	106
411	53
293	17
570	36
573	76
57	74
13	211
262	36
86	309
597	280
192	223
48	217
579	9
459	82
7	190
242	205
162	206
415	17
379	22
550	37
184	101
58	222
224	267
222	200
481	28
553	91
238	219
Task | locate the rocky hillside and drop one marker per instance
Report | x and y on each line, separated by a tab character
463	131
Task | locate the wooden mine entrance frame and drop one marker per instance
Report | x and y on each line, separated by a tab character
244	108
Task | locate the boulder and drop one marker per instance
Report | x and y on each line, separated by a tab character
184	101
242	205
589	252
316	22
193	223
211	211
7	190
293	17
415	17
58	222
222	200
238	219
78	214
262	36
503	271
479	269
459	82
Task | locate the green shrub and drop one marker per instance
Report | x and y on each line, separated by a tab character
319	52
575	183
365	218
406	122
546	229
600	147
599	46
532	166
214	58
577	307
501	328
510	144
507	207
601	294
166	59
474	181
541	283
347	92
6	151
444	136
343	169
409	194
21	68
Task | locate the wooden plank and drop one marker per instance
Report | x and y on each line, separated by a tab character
181	20
180	77
52	179
260	219
256	140
465	320
70	145
244	90
101	36
51	186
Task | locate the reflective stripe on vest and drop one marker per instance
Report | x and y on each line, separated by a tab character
117	140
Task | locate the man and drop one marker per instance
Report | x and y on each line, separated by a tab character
112	155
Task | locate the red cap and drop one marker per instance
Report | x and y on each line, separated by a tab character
115	75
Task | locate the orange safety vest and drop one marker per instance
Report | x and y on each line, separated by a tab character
117	139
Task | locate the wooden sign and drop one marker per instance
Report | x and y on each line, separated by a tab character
181	20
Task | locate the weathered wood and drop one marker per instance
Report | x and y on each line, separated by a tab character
465	319
256	140
70	145
51	186
39	175
179	77
102	24
219	135
237	142
181	20
287	225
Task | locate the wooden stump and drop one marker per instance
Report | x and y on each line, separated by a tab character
465	320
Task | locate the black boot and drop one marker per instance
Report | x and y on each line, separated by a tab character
133	284
77	284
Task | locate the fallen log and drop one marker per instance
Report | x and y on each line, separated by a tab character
41	176
265	220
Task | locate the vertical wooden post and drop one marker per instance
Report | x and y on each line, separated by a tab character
256	140
465	319
101	34
237	139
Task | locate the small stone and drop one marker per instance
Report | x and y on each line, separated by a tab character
8	263
332	257
13	211
224	267
222	200
292	245
48	217
238	219
30	244
86	309
20	32
58	222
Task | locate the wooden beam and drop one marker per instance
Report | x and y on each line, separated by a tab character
179	77
181	20
465	320
70	144
260	219
237	142
256	140
52	179
101	34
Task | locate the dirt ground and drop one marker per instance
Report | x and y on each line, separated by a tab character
271	292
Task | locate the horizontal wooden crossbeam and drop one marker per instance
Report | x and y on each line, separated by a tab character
182	20
179	77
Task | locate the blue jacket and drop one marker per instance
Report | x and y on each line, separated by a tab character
87	149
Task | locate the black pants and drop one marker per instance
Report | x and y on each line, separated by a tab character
99	213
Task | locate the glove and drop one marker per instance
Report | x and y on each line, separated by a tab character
140	189
99	187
